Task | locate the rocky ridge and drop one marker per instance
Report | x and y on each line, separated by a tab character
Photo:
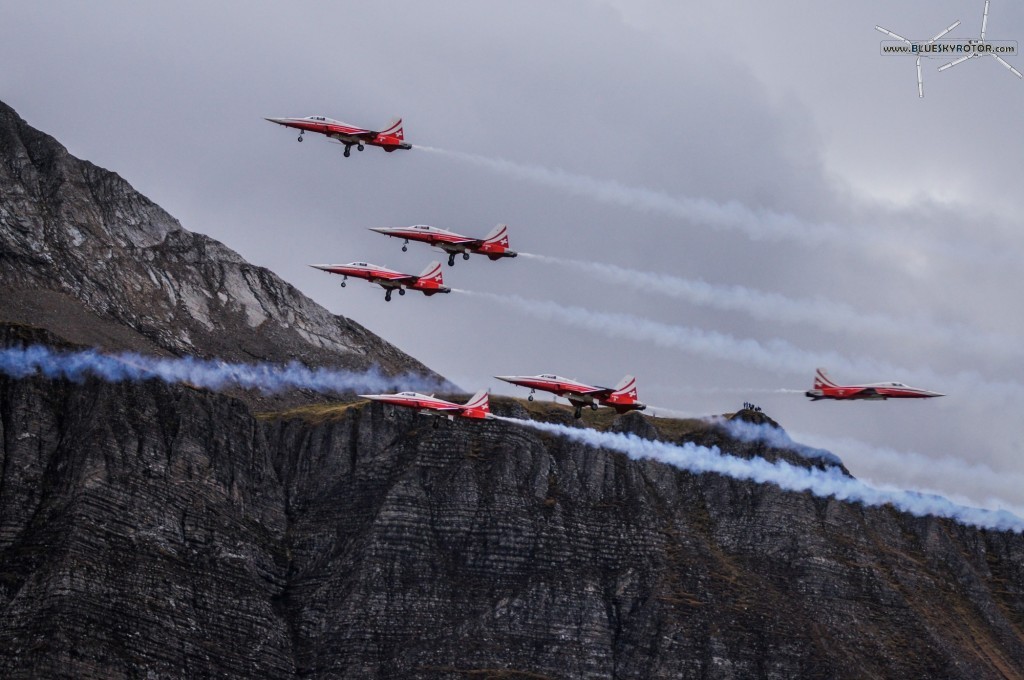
84	254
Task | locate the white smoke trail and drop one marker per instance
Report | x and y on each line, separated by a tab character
773	355
829	315
757	224
827	483
20	362
963	482
691	389
774	437
976	481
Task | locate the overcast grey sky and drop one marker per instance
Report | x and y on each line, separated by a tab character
904	212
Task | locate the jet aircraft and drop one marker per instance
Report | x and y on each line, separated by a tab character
431	281
494	245
824	388
622	397
389	139
478	407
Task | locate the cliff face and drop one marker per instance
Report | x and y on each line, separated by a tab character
85	255
154	531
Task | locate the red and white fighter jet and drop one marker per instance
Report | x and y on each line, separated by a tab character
478	407
431	281
390	138
494	245
824	388
622	397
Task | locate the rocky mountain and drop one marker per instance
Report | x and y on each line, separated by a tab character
150	530
86	256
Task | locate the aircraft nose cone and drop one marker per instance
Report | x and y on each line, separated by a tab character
380	230
506	378
279	121
323	267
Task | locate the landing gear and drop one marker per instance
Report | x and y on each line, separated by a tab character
360	147
530	398
342	284
578	413
300	135
465	256
451	259
436	424
593	407
401	291
348	150
387	295
405	246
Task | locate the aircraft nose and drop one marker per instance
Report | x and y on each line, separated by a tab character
279	121
506	378
380	230
323	267
936	394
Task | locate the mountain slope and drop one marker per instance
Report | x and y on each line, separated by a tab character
86	256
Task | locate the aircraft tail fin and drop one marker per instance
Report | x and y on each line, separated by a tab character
624	398
432	274
626	388
821	379
497	235
495	244
624	384
479	401
394	129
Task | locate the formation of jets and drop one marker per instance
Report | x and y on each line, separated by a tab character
495	246
824	388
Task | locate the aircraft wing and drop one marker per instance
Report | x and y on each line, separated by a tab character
867	393
599	392
384	279
453	407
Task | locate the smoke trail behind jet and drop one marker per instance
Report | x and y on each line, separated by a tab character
829	315
827	483
269	378
772	355
757	224
976	481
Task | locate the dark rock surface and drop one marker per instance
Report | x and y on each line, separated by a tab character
160	531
